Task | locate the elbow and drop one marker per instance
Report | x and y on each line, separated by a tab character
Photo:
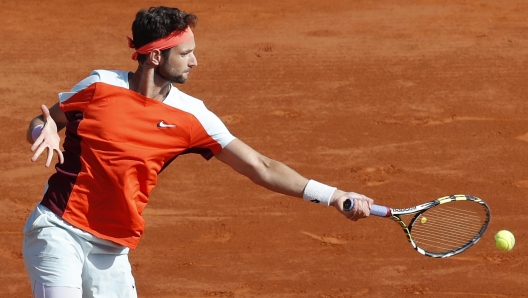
255	169
260	172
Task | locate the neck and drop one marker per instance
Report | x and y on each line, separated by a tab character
145	82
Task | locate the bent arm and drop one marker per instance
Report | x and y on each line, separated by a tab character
56	114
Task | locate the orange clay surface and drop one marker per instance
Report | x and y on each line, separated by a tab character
403	101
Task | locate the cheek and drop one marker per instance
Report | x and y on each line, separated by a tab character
180	62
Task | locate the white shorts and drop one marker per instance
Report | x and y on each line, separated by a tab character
56	254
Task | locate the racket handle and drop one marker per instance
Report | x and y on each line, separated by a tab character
377	210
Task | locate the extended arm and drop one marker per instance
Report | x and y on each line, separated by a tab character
43	131
280	178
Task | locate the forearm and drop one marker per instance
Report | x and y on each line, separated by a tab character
275	175
278	177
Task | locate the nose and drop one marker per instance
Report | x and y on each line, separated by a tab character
193	61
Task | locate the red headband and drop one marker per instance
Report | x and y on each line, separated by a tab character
175	38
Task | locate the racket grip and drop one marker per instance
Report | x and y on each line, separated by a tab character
377	210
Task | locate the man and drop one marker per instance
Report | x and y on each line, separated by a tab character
122	130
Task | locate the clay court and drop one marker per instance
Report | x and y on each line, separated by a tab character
403	101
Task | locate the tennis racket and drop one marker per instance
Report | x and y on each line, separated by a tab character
441	228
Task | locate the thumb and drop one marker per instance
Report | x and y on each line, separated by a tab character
45	111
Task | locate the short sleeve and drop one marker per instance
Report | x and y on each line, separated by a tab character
80	95
215	131
94	77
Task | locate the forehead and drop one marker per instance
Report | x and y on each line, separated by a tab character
184	47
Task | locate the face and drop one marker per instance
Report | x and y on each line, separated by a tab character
178	64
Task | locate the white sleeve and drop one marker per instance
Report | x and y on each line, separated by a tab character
215	127
212	124
94	77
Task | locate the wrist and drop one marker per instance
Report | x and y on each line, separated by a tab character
35	133
318	192
337	194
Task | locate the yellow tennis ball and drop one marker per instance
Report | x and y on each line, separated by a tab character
423	220
504	240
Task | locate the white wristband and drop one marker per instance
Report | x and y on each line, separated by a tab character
318	192
35	133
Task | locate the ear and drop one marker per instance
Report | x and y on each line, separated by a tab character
154	57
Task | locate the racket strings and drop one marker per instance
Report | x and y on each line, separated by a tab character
446	228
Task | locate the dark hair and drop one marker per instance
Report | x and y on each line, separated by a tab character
158	22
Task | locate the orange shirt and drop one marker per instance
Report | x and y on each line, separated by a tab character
117	142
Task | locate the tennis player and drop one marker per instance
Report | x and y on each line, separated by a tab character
122	130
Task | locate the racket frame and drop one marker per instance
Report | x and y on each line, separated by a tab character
396	213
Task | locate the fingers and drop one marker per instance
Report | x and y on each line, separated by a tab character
38	150
61	156
361	206
45	111
40	145
50	157
36	144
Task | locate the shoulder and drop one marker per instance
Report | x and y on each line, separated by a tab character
195	107
117	78
183	101
112	77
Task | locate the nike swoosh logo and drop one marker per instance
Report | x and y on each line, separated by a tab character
164	125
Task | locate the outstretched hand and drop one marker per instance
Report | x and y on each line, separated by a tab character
49	139
362	205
